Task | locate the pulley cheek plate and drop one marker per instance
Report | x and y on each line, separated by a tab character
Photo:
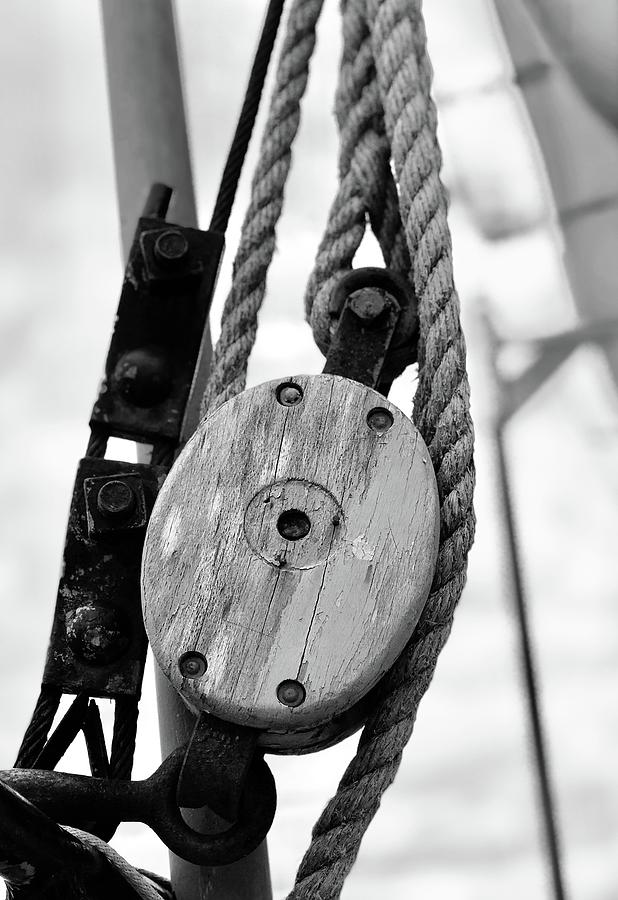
293	547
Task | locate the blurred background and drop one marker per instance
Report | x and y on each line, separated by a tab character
535	250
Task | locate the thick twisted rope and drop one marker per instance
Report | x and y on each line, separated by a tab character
441	412
384	112
366	185
257	239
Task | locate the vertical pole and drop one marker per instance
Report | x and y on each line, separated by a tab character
150	145
147	111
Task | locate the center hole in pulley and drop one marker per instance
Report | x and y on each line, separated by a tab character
293	524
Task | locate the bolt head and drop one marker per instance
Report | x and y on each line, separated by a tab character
289	394
368	304
116	500
291	693
171	247
142	377
380	419
97	635
192	665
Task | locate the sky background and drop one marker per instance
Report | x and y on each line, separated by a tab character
461	821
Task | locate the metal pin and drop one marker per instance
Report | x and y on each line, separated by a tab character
379	419
289	394
291	693
192	665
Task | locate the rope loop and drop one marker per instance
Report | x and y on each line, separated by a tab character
389	179
257	239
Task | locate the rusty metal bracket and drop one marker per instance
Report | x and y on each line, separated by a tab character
375	327
168	286
98	644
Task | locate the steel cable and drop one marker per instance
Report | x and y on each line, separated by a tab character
246	120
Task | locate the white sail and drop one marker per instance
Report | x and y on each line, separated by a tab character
565	63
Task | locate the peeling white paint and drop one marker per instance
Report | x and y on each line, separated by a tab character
362	549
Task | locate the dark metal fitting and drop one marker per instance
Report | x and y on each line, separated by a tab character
379	419
192	665
70	799
374	295
291	693
116	499
98	643
166	295
216	766
369	304
167	254
289	394
115	506
171	247
97	635
373	277
142	377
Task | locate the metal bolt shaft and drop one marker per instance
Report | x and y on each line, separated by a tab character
192	665
369	304
291	693
379	419
289	394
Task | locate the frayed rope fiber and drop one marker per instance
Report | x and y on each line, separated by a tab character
389	176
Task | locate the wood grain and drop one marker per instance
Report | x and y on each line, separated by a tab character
331	610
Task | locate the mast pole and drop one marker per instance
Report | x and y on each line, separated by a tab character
150	145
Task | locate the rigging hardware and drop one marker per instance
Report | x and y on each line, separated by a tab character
98	645
70	799
375	327
292	549
293	528
166	296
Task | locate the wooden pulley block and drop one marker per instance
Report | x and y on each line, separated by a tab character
289	556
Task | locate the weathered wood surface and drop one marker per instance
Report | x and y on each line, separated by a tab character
331	610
